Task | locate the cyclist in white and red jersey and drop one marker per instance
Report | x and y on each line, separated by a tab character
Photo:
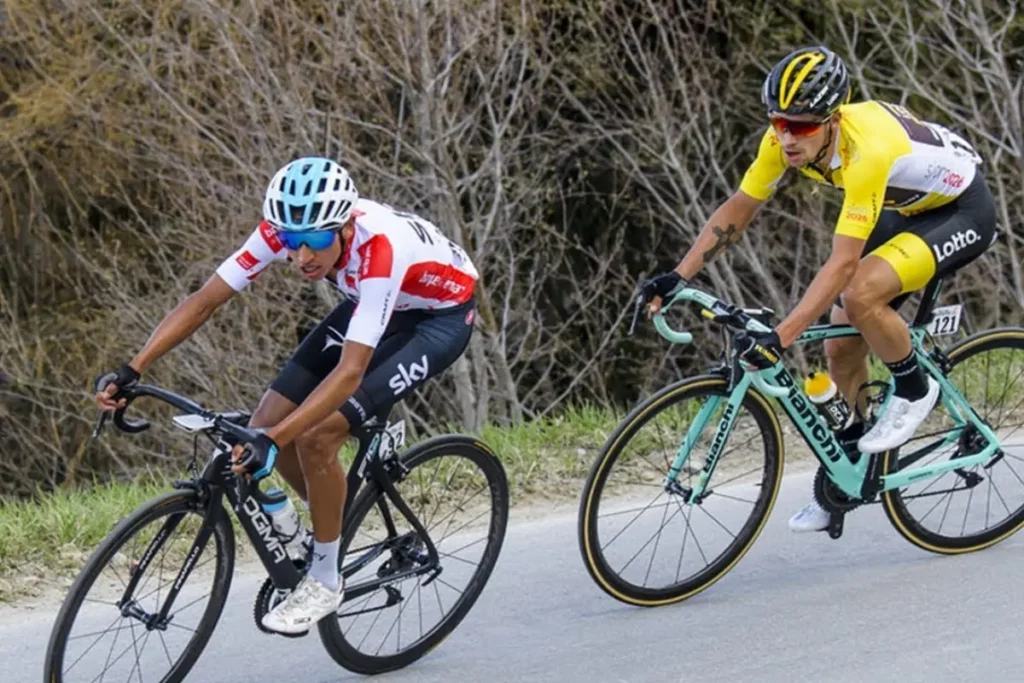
407	315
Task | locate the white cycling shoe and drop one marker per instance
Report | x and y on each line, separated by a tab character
899	421
310	602
809	518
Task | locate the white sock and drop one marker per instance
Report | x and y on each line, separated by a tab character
325	563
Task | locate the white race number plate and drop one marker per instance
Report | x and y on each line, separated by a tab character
945	320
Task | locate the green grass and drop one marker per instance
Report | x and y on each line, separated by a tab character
48	538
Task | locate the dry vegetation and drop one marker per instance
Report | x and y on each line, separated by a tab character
570	146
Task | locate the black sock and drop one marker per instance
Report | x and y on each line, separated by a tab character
909	378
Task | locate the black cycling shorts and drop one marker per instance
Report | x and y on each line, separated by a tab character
416	346
935	243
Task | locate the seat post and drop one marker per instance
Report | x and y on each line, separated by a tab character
928	300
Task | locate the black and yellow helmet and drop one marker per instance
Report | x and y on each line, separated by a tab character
811	80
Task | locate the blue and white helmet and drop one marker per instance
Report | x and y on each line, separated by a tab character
310	194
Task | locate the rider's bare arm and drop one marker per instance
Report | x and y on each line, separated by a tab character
724	227
180	323
826	286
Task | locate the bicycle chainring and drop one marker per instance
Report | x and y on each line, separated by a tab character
267	599
829	496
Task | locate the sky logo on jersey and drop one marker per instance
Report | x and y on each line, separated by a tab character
405	378
958	241
246	260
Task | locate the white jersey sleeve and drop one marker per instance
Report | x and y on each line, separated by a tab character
381	271
242	267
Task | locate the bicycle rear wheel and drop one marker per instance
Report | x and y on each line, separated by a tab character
973	508
625	495
119	632
457	489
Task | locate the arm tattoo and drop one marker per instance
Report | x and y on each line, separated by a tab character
725	238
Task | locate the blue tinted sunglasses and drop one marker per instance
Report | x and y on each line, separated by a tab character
316	240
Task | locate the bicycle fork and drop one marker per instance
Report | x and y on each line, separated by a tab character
129	605
696	494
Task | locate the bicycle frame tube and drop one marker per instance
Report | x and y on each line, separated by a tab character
961	412
254	521
777	382
367	465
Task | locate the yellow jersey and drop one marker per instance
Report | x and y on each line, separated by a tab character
884	158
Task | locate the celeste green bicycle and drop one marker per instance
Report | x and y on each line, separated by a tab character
697	466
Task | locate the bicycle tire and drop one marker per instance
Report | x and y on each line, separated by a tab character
893	501
331	635
169	503
588	533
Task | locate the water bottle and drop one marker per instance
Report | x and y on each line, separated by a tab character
285	520
824	394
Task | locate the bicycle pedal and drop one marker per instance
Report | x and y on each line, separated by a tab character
835	525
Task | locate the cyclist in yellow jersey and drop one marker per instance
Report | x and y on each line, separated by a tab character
915	207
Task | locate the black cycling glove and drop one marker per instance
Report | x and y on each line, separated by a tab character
123	378
760	349
661	285
258	456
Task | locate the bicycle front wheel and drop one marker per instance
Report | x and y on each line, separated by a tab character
457	489
634	531
109	627
969	508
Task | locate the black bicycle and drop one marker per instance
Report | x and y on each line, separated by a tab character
420	540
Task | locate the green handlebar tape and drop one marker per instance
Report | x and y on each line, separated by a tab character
668	333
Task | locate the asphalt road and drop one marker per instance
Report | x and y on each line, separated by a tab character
869	607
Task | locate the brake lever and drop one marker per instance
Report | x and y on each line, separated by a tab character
636	313
99	424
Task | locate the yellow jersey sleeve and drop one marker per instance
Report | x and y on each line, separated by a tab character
864	191
767	169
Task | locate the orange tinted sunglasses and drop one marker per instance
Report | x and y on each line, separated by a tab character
800	129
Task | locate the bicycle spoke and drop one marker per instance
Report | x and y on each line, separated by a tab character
101	633
106	631
107	663
695	539
656	534
460	592
138	661
166	651
654	552
718	493
715	519
458	550
626	512
100	676
621	531
939	502
949	501
189	604
738	476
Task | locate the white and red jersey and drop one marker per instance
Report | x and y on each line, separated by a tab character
396	261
